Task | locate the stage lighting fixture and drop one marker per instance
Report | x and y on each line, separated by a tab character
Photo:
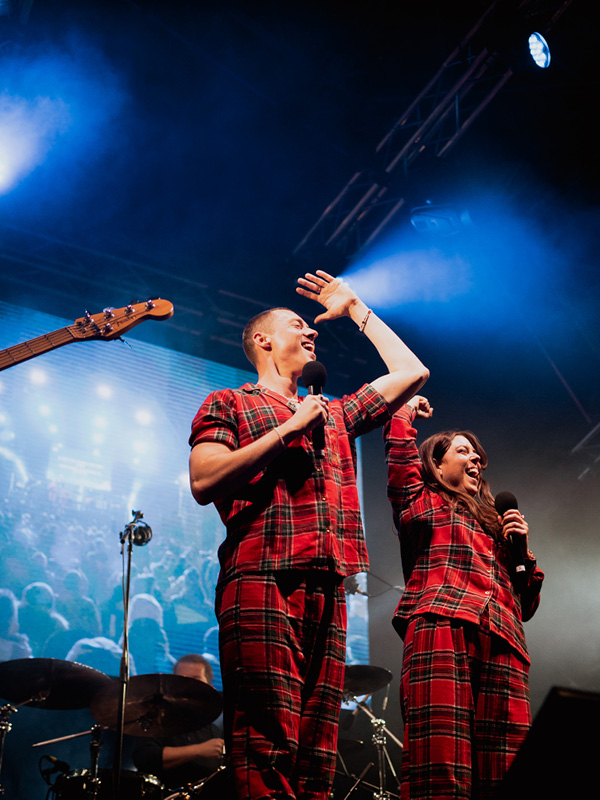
539	50
439	220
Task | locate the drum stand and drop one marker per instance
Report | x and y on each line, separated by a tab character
5	724
95	747
190	791
379	740
5	727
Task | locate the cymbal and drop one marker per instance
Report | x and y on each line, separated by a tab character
158	705
362	679
50	683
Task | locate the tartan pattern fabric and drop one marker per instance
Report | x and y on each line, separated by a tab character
302	510
282	640
465	702
452	566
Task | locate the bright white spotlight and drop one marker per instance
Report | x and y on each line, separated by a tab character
540	52
143	417
27	133
104	391
38	376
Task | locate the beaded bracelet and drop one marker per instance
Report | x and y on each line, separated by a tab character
363	324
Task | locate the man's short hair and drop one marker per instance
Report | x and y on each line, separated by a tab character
260	321
196	658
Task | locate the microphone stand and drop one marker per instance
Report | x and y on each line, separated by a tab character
138	533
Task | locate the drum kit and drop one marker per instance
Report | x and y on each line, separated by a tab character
157	705
161	705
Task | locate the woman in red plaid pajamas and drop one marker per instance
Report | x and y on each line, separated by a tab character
293	533
464	685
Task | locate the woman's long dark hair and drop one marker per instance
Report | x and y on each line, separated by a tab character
481	505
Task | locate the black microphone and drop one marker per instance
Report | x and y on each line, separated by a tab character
314	377
61	766
503	502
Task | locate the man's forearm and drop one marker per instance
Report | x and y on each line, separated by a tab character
406	372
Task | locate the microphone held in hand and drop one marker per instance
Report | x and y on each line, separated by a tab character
503	502
314	377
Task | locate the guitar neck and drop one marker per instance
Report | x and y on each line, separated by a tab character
35	347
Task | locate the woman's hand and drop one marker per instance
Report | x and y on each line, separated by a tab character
513	524
421	406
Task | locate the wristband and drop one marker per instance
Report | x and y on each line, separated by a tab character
363	324
283	444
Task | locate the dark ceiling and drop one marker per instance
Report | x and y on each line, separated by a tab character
198	142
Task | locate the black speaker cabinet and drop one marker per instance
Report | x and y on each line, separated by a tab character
561	755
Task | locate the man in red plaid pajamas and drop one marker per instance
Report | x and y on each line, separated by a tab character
464	685
293	533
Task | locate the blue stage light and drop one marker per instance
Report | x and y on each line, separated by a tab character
539	49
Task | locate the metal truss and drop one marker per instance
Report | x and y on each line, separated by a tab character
57	274
468	80
589	447
48	274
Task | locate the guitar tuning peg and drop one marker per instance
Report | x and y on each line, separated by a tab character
108	312
150	305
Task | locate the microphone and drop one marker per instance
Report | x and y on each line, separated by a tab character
503	502
314	377
61	766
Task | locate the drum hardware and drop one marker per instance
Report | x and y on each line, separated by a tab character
134	786
192	790
95	746
5	727
363	680
50	683
45	683
158	705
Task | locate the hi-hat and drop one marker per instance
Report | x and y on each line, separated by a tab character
362	679
158	705
50	683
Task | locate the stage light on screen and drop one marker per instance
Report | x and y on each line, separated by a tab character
539	50
38	377
44	410
104	391
144	417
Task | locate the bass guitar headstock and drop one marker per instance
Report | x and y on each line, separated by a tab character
114	322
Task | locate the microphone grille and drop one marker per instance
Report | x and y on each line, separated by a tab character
504	501
314	374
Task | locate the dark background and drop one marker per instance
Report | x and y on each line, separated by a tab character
187	148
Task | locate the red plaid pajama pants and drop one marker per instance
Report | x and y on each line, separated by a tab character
283	647
465	702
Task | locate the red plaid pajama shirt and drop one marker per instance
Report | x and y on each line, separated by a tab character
464	686
293	533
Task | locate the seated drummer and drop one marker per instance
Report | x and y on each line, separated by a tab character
184	757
